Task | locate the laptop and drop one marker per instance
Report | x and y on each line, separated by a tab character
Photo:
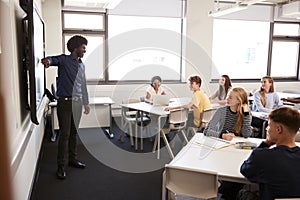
161	100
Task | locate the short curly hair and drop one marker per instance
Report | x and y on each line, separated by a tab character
75	42
195	79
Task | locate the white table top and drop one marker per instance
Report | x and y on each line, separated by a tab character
225	161
101	100
159	110
146	107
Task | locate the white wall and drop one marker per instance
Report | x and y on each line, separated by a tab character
53	34
23	137
198	48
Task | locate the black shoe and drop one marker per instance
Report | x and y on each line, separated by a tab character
77	164
61	173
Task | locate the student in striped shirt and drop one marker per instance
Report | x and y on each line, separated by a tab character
233	119
228	121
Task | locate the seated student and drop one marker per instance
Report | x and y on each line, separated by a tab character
224	87
228	121
199	102
265	99
232	119
154	88
276	169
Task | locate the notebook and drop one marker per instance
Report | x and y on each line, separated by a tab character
161	100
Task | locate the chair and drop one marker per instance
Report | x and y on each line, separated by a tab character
176	123
207	115
195	183
131	117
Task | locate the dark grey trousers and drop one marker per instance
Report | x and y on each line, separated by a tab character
69	113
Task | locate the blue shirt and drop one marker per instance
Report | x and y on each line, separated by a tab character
71	77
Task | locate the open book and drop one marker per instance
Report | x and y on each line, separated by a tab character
212	142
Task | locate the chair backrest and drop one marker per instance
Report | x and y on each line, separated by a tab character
207	114
178	119
195	183
129	112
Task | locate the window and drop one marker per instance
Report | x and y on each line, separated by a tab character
285	51
240	48
284	56
141	47
92	26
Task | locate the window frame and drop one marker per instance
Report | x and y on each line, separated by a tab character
283	38
105	80
272	38
91	32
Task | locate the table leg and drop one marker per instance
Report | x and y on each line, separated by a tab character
136	132
141	129
53	137
108	130
158	137
164	189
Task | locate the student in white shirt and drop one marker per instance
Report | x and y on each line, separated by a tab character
155	88
265	100
224	87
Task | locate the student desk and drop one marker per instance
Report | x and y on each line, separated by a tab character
100	116
225	162
158	111
149	108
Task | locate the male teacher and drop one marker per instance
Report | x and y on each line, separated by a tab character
72	93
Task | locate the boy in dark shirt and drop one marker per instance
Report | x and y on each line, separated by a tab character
276	169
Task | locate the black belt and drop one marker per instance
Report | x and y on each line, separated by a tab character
70	98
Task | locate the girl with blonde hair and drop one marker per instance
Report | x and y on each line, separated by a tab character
228	121
266	99
232	119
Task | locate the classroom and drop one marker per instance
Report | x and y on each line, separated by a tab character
134	45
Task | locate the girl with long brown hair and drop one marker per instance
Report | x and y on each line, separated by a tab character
224	87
